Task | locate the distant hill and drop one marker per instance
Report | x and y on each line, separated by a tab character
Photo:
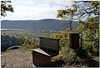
47	24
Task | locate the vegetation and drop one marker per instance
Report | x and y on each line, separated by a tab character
30	44
90	26
6	6
88	55
7	41
25	39
87	8
67	56
25	33
68	14
90	32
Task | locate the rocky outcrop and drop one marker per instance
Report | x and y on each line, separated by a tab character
17	58
13	47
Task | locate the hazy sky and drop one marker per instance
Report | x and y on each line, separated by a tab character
36	10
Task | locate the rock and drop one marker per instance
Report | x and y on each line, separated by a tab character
17	58
13	47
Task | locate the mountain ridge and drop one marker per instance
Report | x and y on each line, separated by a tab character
47	24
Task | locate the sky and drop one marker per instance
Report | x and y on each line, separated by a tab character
36	9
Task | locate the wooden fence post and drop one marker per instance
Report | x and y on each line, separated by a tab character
74	40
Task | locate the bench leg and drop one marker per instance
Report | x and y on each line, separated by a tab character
41	60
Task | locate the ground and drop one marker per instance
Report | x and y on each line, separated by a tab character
17	58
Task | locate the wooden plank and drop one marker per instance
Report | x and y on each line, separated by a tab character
47	38
41	51
44	52
51	52
48	44
46	41
50	41
49	48
54	41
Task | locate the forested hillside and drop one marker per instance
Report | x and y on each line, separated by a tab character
7	41
47	24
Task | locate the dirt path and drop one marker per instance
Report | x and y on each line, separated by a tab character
17	58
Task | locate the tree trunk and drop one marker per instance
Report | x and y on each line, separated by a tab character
70	25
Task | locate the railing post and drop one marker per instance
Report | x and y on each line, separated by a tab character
74	40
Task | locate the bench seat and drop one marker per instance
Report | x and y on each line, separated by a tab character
50	54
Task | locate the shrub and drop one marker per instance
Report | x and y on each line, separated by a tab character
67	55
30	44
